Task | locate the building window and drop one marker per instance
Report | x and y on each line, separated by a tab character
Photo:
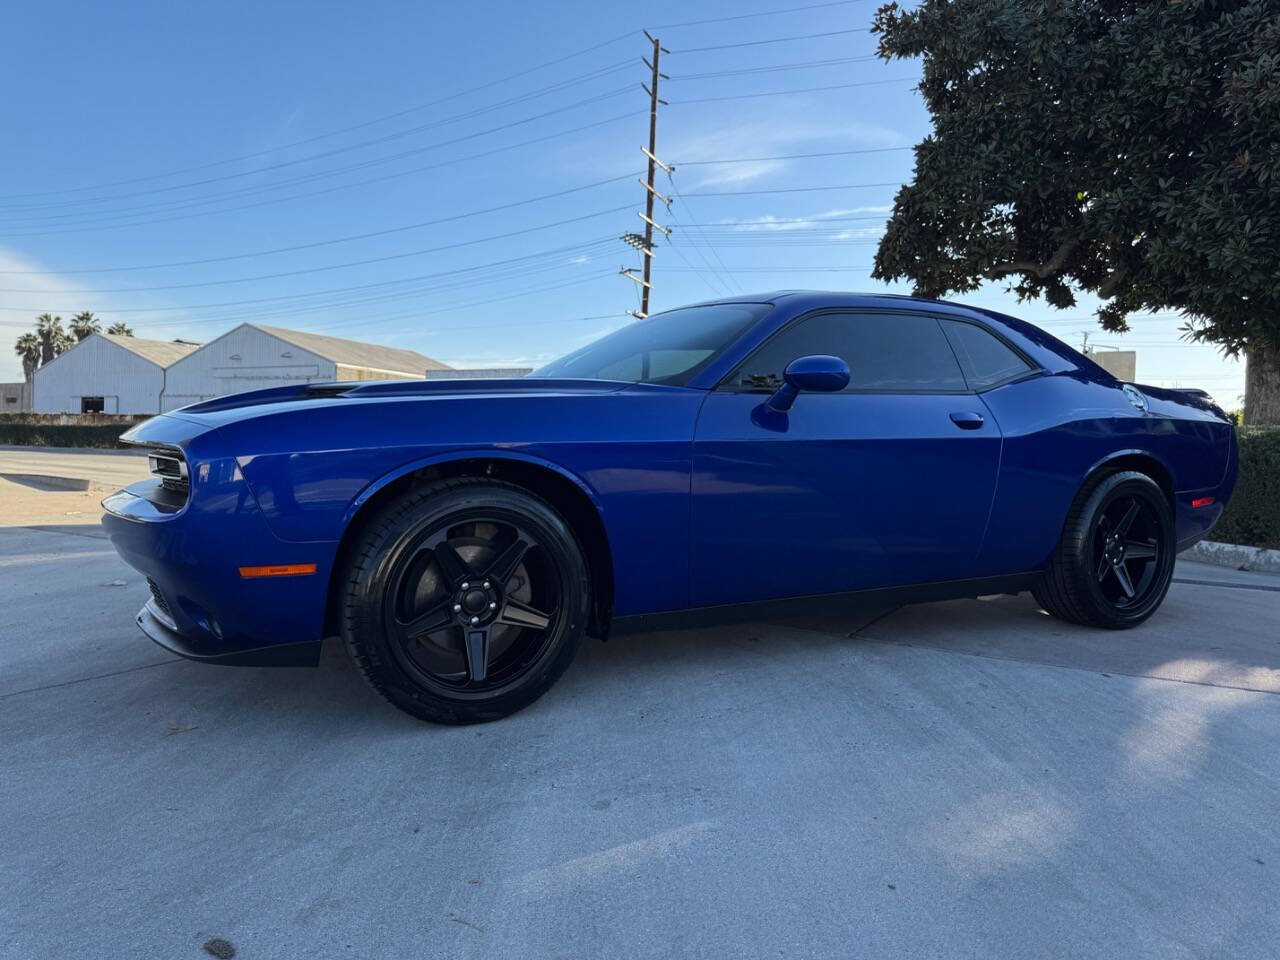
92	405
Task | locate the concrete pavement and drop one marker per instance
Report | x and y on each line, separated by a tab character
968	779
104	469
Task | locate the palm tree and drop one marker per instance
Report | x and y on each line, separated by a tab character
84	324
120	329
28	348
53	339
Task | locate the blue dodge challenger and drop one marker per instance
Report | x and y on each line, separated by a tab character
742	458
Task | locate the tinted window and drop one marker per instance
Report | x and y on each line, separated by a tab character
666	348
888	353
984	358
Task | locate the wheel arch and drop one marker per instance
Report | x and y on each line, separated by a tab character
1143	461
564	491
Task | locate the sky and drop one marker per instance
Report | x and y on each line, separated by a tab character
454	178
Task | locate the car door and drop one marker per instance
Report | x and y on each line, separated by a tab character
887	482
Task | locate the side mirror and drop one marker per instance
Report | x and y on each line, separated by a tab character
816	374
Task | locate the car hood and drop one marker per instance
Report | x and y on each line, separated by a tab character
180	425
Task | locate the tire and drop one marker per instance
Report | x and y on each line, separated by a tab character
464	601
1100	574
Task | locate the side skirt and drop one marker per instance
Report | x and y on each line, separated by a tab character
824	604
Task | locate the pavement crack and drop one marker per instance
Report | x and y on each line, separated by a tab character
97	676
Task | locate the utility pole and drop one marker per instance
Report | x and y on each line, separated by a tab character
644	243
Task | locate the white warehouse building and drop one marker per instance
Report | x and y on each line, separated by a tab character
104	373
112	374
255	357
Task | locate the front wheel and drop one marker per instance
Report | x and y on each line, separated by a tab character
1114	563
465	601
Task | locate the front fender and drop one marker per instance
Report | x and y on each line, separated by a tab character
457	456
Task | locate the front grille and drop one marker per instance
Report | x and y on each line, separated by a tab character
159	599
171	468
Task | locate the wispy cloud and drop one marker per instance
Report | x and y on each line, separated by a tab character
43	291
581	258
764	139
770	223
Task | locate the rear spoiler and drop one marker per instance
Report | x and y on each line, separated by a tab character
1194	392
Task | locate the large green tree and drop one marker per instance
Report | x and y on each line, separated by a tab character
120	329
1128	148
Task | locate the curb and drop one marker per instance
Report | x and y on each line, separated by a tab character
1235	556
46	480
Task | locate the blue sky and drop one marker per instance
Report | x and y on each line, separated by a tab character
375	171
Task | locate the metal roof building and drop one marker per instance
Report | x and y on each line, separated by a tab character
111	374
253	357
105	373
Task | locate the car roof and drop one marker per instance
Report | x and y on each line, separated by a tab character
835	298
1047	350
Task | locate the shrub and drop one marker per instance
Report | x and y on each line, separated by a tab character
1253	515
64	430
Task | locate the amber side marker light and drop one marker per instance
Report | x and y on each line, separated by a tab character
1202	502
278	570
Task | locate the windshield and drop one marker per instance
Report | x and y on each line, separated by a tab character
669	348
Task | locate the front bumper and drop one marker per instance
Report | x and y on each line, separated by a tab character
201	608
153	622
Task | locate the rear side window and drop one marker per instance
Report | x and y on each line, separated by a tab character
885	353
985	358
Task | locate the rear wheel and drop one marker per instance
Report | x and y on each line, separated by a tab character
465	601
1114	563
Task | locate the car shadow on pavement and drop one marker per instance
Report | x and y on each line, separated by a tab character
1202	635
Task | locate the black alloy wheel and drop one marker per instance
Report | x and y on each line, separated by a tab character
465	600
472	604
1114	563
1127	547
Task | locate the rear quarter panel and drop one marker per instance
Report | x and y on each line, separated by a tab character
1060	428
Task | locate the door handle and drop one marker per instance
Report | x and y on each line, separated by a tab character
967	420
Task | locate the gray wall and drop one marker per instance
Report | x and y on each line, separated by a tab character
1121	364
15	397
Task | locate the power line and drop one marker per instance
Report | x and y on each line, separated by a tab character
787	93
729	282
433	166
422	106
335	266
405	227
793	156
316	293
762	13
752	193
757	43
335	188
782	221
398	135
722	283
774	68
455	140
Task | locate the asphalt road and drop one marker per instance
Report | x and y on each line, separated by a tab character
960	780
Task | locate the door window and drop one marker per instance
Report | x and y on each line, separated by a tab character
893	353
